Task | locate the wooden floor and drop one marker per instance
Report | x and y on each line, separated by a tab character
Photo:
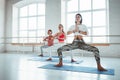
17	67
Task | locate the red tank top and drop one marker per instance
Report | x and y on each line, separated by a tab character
50	40
61	38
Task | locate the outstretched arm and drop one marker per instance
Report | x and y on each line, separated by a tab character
83	32
69	32
56	35
45	39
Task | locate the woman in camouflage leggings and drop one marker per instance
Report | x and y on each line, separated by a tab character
78	43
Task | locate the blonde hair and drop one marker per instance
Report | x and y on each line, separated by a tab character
62	27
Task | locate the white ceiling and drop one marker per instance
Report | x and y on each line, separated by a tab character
25	2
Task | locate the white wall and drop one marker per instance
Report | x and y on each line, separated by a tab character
114	17
2	24
114	28
53	15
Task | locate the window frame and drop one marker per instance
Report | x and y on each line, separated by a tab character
65	13
16	20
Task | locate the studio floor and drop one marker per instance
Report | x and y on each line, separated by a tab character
14	66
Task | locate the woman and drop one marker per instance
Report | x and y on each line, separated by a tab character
78	43
61	36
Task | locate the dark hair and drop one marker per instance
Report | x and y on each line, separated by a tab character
50	30
80	16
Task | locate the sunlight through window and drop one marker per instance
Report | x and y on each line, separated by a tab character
31	22
94	14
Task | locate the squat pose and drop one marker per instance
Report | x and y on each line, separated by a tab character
61	36
50	40
78	43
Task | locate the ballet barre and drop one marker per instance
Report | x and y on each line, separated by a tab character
41	44
99	44
28	44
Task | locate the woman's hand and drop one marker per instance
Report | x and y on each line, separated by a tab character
75	30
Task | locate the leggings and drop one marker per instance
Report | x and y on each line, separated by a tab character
79	44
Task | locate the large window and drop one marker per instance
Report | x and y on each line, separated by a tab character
30	23
95	17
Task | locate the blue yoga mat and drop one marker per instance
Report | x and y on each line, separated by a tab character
78	69
54	59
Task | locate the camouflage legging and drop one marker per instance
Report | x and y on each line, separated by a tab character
79	44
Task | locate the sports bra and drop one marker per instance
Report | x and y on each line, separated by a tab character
61	38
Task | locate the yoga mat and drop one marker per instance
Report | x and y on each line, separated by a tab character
78	69
54	59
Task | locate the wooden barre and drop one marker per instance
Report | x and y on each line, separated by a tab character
28	44
39	44
100	44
